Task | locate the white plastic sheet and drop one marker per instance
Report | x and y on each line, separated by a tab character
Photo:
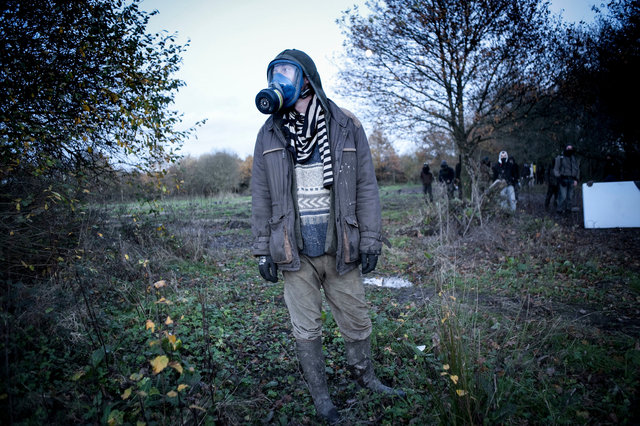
393	282
611	205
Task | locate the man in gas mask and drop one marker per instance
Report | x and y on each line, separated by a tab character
567	170
316	216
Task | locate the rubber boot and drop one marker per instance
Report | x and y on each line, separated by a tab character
312	361
361	367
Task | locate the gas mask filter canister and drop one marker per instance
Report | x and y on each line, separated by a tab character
285	80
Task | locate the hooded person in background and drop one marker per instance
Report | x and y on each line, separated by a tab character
316	216
567	170
552	187
427	179
506	171
446	176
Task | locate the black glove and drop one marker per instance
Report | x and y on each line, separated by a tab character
268	269
369	262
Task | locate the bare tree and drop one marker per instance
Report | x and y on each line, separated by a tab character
462	67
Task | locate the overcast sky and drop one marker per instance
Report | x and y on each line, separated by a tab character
231	44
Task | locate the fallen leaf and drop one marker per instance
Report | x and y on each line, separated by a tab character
176	366
159	363
160	284
182	387
150	325
126	394
172	394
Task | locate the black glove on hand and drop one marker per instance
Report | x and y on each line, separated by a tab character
369	262
268	269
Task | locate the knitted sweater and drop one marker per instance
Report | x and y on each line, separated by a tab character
314	202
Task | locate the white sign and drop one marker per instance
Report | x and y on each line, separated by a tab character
611	205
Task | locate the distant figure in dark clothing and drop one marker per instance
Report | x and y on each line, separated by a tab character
446	176
516	173
427	179
457	182
567	170
507	171
540	174
552	186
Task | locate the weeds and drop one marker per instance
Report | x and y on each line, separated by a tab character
163	319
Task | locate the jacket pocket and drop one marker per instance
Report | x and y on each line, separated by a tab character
279	243
350	239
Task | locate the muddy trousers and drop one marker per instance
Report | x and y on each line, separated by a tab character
344	293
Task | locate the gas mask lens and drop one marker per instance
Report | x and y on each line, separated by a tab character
290	71
284	84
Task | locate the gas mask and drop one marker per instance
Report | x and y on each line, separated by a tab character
285	86
503	157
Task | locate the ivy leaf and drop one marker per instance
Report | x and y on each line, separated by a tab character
159	363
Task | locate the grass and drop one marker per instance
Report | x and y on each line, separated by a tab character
164	319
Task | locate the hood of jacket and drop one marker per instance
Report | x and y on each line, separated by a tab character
310	71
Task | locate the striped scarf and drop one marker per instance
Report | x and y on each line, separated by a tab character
305	131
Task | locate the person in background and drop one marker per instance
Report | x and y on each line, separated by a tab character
457	183
567	170
552	187
540	174
316	217
504	170
427	179
446	176
516	172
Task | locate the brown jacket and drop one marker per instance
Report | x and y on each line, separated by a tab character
355	224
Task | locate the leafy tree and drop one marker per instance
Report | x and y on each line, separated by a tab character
210	174
246	166
599	71
385	159
84	90
463	67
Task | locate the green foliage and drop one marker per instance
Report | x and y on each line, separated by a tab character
84	90
524	335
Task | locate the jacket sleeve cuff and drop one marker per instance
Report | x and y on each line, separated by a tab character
370	243
261	246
